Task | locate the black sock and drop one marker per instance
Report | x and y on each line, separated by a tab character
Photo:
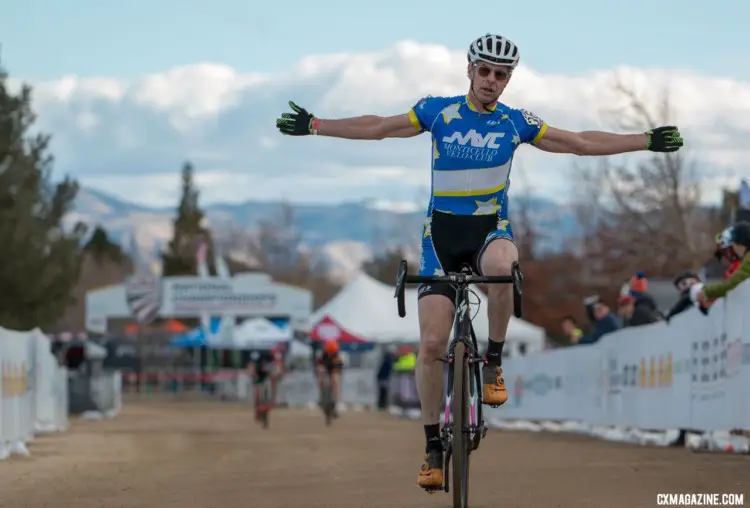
432	435
495	353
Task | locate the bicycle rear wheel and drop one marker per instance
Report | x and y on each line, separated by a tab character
460	446
328	403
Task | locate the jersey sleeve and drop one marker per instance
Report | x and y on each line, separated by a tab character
530	127
424	112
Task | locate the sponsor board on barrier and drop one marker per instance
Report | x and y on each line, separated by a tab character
692	372
33	390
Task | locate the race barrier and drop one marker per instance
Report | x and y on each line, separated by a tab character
33	388
691	373
642	384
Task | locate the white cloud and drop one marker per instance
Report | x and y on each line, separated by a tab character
131	138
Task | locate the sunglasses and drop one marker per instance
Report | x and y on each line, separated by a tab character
500	74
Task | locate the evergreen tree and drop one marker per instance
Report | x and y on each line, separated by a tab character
188	230
39	258
101	248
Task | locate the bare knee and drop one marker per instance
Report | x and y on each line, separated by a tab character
432	345
498	258
435	322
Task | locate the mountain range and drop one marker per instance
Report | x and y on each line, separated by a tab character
342	235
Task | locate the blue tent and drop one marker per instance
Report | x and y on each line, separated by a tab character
196	337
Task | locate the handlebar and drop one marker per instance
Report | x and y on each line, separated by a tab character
460	279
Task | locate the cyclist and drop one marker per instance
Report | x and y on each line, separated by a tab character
330	363
259	368
474	139
278	370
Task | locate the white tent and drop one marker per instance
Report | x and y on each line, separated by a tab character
299	349
259	333
367	308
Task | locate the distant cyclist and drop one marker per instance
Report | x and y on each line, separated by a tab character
277	373
329	366
474	139
260	368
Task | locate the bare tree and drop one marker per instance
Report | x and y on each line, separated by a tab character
276	247
647	215
525	231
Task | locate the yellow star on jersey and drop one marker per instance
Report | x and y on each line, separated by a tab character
435	152
502	224
439	272
516	139
486	207
427	227
451	113
504	117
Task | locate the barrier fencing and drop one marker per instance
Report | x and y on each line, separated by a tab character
33	388
691	373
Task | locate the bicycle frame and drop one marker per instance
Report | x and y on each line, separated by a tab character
463	332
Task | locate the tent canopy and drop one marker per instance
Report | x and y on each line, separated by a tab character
259	333
366	308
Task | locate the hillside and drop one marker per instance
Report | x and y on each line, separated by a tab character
344	235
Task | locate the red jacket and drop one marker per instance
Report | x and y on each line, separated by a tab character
732	269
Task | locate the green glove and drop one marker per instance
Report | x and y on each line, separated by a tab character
299	123
664	139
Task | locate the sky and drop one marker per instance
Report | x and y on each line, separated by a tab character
129	90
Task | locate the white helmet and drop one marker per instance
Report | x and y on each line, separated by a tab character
494	49
724	239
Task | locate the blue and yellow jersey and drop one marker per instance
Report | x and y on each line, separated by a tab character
472	152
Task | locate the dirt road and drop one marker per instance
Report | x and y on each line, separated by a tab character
211	455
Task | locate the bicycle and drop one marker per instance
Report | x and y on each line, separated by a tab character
264	403
464	390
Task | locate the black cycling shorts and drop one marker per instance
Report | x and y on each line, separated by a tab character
449	241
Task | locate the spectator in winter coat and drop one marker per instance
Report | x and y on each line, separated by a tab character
636	306
683	282
637	311
740	246
571	330
604	322
725	254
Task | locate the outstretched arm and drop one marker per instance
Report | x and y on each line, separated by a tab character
367	127
590	142
303	123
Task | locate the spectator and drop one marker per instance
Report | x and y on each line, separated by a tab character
640	309
604	321
683	282
637	311
725	254
571	330
384	378
740	245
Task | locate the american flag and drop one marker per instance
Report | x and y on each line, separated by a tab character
744	195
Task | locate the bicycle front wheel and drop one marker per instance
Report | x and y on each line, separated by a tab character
461	444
